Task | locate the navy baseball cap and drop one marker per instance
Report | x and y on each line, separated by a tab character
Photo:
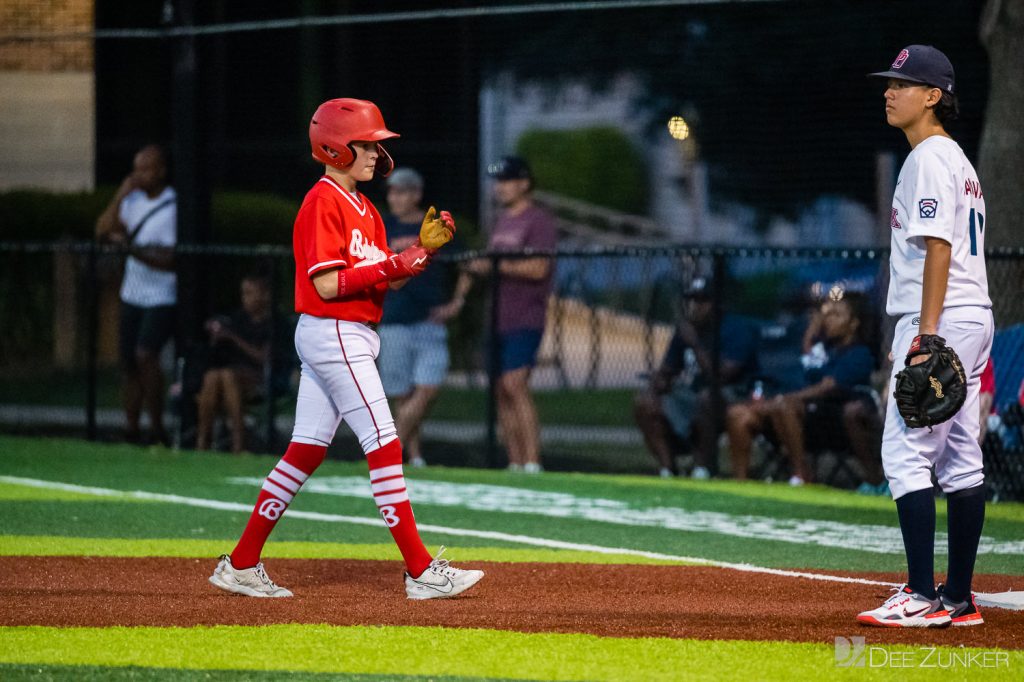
922	64
510	168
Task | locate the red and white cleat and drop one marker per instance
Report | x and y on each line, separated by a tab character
907	609
961	613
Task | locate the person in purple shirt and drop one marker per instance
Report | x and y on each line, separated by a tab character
523	287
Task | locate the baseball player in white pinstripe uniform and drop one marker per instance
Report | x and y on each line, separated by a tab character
938	286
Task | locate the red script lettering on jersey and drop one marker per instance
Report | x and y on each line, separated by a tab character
973	188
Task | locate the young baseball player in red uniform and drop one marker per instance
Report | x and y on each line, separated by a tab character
938	286
343	268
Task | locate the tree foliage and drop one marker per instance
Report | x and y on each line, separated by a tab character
598	165
783	111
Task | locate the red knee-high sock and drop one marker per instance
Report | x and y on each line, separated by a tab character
388	486
282	484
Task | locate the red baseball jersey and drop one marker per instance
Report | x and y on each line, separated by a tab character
336	228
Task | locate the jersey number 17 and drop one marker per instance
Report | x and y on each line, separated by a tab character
977	225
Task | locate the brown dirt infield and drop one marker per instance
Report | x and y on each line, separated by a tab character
620	600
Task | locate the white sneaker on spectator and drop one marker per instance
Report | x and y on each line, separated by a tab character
700	473
795	481
665	472
417	462
532	468
514	468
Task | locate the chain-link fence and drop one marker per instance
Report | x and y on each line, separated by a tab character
609	322
516	77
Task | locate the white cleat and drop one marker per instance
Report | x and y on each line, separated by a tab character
440	580
907	609
252	582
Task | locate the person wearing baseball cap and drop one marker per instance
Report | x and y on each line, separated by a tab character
676	409
414	355
938	292
510	168
928	69
523	287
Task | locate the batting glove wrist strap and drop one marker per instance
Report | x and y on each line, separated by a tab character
408	263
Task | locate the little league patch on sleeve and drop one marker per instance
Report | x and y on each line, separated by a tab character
927	207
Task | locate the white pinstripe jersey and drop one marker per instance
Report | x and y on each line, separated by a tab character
937	195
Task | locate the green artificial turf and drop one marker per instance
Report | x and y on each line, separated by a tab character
83	673
42	512
57	545
432	651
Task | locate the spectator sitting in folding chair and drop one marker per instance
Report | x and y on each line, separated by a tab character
833	370
236	371
863	422
676	406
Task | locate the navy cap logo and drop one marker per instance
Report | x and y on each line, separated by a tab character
900	58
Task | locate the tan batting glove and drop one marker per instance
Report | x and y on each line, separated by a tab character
436	231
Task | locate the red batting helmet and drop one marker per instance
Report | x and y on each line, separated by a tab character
339	122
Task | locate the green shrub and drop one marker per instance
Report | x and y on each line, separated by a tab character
249	218
599	165
236	217
35	215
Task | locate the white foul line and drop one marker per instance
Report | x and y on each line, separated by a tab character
464	532
1006	600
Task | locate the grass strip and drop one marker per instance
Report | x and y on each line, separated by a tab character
129	467
455	652
13	492
56	545
82	673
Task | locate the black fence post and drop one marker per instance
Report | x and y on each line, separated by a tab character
717	403
188	152
272	354
493	367
92	344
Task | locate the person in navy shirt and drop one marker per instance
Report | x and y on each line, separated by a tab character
676	404
414	339
835	364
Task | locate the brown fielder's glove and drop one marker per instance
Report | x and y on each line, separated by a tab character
932	391
436	231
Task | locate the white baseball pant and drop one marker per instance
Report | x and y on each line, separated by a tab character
951	448
340	382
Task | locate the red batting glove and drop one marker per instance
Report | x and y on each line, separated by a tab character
408	263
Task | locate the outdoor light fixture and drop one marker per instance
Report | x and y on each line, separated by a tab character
678	128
